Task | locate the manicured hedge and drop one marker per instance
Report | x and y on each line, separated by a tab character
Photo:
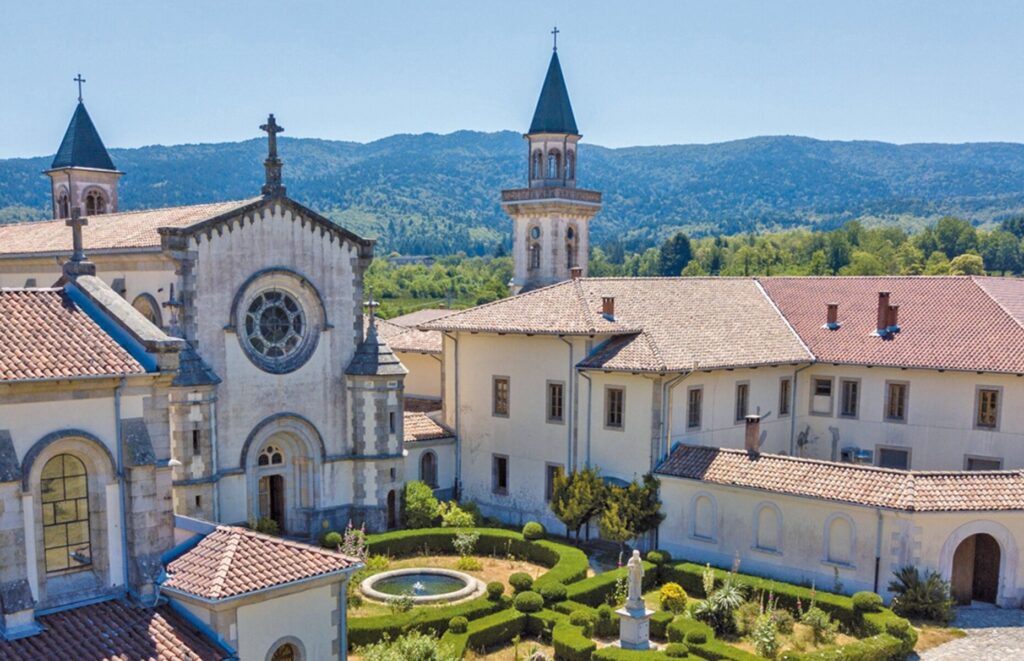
882	647
595	590
659	624
570	644
434	621
619	654
497	628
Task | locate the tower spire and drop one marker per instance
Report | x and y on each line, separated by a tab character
78	79
272	165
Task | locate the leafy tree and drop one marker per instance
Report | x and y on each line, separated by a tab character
937	264
419	506
577	497
676	253
1014	225
968	264
632	510
922	595
1001	251
863	263
818	264
955	236
413	646
694	269
838	251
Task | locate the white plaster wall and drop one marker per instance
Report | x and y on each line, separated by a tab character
29	422
424	378
625	454
445	453
303	615
940	416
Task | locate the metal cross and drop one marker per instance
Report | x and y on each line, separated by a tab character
75	222
272	129
555	33
78	79
372	306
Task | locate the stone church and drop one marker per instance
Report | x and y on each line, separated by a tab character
284	408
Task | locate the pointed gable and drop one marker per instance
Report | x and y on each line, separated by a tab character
82	146
554	111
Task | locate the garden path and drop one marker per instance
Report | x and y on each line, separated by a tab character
992	633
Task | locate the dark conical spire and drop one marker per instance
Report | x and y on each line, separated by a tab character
81	146
554	112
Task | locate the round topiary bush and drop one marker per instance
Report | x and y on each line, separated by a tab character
677	651
607	624
529	602
867	602
533	530
520	581
458	624
331	539
659	557
672	598
495	589
583	619
553	593
696	637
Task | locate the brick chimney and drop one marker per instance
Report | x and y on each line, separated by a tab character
883	313
893	319
576	272
832	316
608	306
752	437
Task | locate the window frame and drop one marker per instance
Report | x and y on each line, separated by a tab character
814	394
495	379
978	457
68	546
978	390
856	383
736	401
495	488
549	400
549	482
608	390
785	403
905	449
423	476
700	407
887	399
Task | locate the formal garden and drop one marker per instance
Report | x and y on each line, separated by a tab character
537	596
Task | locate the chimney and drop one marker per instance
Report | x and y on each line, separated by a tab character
608	307
832	316
883	312
752	438
576	272
893	319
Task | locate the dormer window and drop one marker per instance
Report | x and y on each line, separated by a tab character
95	203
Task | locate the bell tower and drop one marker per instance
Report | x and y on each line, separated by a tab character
82	174
551	217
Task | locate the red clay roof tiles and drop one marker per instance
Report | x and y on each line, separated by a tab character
421	427
44	335
233	561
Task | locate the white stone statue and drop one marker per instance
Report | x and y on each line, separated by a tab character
636	575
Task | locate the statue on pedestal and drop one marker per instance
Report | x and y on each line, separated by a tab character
634	617
635	568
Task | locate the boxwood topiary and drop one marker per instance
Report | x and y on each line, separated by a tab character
584	619
330	539
696	637
458	624
529	602
533	530
552	592
867	602
495	589
520	581
677	651
659	557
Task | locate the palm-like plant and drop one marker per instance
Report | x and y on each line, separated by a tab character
717	610
920	595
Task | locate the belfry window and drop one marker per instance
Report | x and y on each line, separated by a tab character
570	165
538	160
64	487
553	165
571	248
95	203
63	210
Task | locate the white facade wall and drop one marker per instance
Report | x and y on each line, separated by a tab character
424	377
444	453
303	616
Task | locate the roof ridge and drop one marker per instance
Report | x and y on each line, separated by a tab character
136	211
999	304
290	543
458	313
802	460
655	350
220	577
785	320
581	298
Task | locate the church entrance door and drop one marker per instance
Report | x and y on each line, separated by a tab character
976	569
272	499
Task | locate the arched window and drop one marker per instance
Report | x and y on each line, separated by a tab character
704	517
554	164
839	539
571	248
534	248
63	206
570	165
147	305
768	528
538	160
285	652
271	456
428	469
64	495
95	203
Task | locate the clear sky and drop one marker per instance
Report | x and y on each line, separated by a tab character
639	72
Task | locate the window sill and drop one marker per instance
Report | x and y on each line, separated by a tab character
706	540
839	565
765	551
499	493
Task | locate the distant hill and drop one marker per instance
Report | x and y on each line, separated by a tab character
439	193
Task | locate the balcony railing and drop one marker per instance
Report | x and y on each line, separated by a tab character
551	193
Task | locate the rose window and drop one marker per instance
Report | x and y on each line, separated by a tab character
274	324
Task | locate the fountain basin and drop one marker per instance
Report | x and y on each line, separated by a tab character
423	585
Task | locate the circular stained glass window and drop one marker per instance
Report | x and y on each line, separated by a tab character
535	233
275	325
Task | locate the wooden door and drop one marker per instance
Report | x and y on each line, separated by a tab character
962	583
985	585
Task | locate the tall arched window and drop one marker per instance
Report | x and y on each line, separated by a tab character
538	165
428	469
63	205
839	539
95	203
570	165
768	528
704	517
553	164
64	495
571	247
533	248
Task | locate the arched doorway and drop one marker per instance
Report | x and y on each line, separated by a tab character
392	510
976	569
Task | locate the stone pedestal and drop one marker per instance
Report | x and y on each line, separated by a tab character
635	626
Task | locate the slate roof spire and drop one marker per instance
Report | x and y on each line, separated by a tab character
554	111
82	146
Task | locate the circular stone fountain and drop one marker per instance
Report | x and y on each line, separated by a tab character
423	585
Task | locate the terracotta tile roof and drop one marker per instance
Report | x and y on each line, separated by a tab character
921	491
410	339
414	404
414	319
44	335
421	427
127	230
114	630
233	561
956	323
661	324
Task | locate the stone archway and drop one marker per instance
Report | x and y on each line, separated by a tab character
976	569
1005	563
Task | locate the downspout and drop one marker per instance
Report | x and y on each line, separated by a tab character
569	422
458	426
792	409
666	411
343	619
213	452
878	550
121	478
590	404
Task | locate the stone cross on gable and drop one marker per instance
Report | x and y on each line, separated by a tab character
273	164
76	222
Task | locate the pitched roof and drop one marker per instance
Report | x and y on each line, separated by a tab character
554	111
233	561
45	335
114	630
421	427
373	357
112	231
660	324
414	319
81	146
920	491
951	322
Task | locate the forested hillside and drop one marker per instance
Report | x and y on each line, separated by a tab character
437	194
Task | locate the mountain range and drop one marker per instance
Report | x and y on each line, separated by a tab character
437	194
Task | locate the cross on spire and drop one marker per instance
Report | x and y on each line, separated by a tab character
371	306
78	79
555	32
273	163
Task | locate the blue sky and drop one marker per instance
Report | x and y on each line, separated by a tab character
654	72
